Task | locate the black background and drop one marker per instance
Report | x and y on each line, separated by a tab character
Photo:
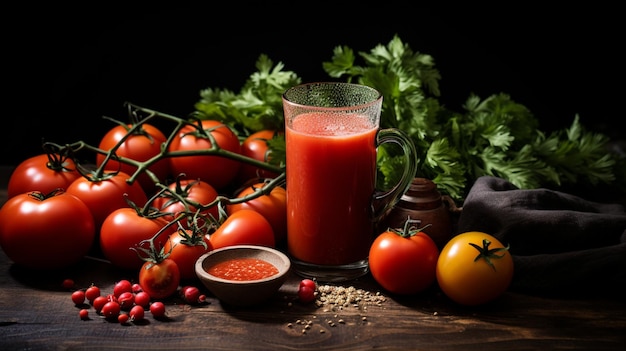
67	67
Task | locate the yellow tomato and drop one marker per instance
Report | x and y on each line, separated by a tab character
474	268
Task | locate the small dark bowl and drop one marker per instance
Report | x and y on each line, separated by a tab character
247	292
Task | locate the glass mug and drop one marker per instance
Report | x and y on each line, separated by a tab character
332	132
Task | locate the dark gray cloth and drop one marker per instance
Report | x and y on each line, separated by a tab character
561	244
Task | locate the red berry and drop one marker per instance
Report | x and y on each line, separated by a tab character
92	292
308	283
121	287
123	318
67	283
136	313
157	309
136	288
142	299
191	295
126	300
98	303
111	310
306	290
78	297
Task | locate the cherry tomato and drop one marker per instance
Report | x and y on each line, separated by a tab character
272	206
255	146
185	247
141	145
474	268
124	229
106	195
157	309
42	231
216	170
403	261
45	173
160	278
244	227
194	192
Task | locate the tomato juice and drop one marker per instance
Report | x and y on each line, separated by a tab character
331	170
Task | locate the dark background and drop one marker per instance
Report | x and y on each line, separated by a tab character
67	67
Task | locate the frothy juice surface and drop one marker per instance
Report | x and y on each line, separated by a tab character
331	167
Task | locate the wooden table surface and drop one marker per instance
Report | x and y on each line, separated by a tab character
36	313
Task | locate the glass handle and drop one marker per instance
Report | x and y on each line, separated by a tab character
384	201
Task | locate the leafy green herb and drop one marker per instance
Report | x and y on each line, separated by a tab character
493	136
257	106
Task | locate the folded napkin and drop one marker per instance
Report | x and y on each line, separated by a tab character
561	244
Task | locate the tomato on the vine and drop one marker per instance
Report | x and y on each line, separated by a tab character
474	268
159	277
185	246
46	231
107	193
244	227
272	206
403	261
127	227
141	145
216	170
45	173
194	193
256	147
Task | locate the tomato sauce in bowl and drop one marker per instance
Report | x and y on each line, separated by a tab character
243	275
241	269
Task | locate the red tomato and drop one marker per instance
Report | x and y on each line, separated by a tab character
107	195
185	247
159	278
141	145
45	173
255	146
124	229
216	170
192	191
474	268
404	261
46	231
272	206
244	227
